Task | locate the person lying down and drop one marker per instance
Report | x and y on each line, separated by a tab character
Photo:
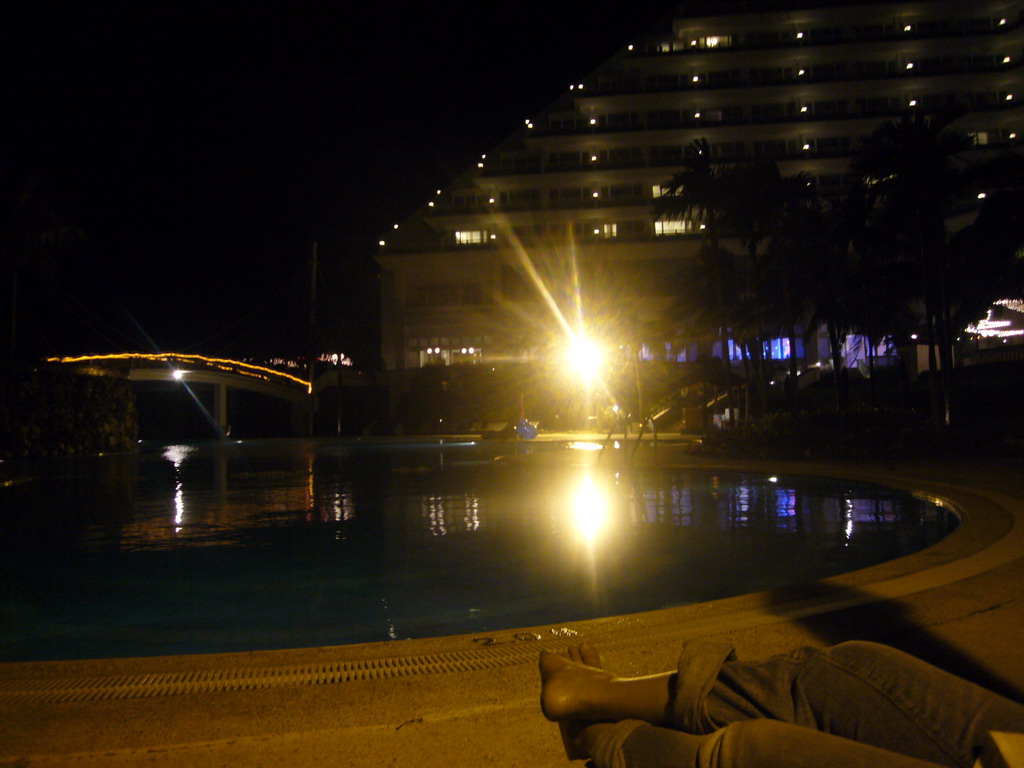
855	705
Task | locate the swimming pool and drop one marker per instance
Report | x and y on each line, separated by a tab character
210	547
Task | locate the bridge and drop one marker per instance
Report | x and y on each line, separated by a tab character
222	373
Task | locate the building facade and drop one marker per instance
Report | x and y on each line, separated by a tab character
559	220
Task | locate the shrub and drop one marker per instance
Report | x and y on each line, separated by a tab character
54	413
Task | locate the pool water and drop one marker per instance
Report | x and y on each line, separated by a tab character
213	547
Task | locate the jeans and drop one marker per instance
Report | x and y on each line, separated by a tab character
855	705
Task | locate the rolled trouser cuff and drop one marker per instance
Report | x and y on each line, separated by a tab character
697	670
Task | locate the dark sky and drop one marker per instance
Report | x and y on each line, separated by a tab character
202	147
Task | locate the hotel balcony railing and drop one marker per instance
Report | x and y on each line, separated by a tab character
849	36
632	87
983	102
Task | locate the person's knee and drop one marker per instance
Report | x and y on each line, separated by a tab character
860	649
739	741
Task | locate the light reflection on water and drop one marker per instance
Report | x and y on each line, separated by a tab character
216	547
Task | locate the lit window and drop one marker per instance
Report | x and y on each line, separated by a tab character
469	236
674	227
609	230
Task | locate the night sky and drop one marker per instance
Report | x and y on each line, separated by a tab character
200	149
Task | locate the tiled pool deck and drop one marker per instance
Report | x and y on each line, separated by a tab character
469	701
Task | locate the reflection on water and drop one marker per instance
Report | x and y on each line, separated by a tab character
211	547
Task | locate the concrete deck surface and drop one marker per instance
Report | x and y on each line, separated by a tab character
465	701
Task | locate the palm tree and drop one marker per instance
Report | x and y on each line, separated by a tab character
915	170
31	233
762	205
695	194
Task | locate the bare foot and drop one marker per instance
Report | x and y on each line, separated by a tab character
570	682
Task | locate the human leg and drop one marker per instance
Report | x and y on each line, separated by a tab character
863	692
868	692
575	687
745	744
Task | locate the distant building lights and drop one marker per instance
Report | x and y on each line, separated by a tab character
693	43
593	121
490	200
593	158
803	108
801	72
1002	22
696	78
596	194
381	243
1013	135
1006	59
907	28
394	226
806	146
438	192
697	115
580	86
479	165
1009	97
493	236
629	47
177	374
910	65
982	195
430	204
597	231
912	103
913	337
799	35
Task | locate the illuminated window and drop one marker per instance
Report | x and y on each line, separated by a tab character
470	236
609	230
712	41
673	227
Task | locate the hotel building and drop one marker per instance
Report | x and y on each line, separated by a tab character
483	270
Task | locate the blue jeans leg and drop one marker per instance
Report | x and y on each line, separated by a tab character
869	693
